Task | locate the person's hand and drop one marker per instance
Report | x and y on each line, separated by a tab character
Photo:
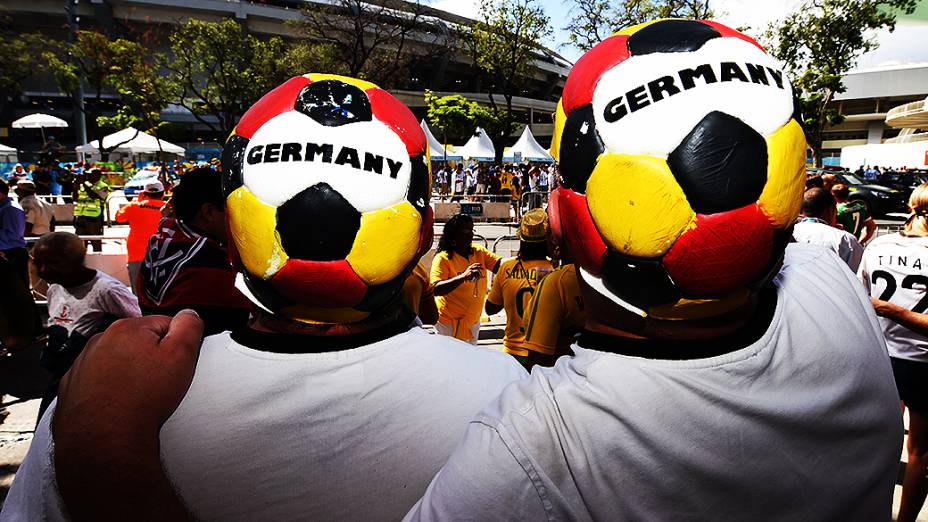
111	405
472	273
885	308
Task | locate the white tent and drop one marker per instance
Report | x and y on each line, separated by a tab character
130	141
8	154
479	147
527	149
435	146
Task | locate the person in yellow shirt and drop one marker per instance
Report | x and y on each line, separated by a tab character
517	279
459	279
555	314
554	317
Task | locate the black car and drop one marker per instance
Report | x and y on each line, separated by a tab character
904	182
880	200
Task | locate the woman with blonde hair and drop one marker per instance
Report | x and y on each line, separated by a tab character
895	271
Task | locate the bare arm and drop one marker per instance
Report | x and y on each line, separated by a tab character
449	285
869	231
914	321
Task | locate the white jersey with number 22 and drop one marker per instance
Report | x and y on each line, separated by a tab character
895	269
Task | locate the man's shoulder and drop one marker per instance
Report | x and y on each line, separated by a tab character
108	282
460	362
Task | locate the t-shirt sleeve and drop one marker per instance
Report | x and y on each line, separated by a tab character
496	289
545	313
122	215
34	492
118	300
863	272
441	269
482	480
489	259
854	253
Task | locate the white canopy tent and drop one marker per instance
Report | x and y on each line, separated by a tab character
130	142
437	151
8	154
479	147
527	149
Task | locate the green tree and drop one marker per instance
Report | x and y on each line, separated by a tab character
595	20
143	92
819	43
116	66
454	116
20	52
88	59
218	71
502	47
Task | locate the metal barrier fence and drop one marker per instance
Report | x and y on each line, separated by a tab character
532	199
889	229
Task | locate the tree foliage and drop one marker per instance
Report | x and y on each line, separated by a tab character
143	92
377	41
120	67
453	116
819	43
219	71
20	52
502	47
595	20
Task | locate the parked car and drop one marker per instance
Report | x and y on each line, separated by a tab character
880	200
137	182
904	182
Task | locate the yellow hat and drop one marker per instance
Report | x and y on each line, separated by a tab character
534	226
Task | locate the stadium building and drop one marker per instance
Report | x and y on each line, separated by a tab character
874	104
152	19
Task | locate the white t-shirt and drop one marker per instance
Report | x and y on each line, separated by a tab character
802	424
895	269
39	213
80	308
838	241
346	435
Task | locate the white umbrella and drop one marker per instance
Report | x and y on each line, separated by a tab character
39	121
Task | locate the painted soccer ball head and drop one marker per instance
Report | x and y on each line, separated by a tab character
327	185
682	164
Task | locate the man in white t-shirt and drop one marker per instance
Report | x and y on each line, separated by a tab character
816	226
81	302
39	213
706	385
295	417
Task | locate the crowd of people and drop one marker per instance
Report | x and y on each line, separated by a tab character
509	179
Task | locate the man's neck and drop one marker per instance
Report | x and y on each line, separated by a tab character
657	339
81	277
275	333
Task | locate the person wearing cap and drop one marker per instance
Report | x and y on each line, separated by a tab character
143	216
90	192
517	279
555	314
39	214
186	264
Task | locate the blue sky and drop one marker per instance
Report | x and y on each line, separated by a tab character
904	46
